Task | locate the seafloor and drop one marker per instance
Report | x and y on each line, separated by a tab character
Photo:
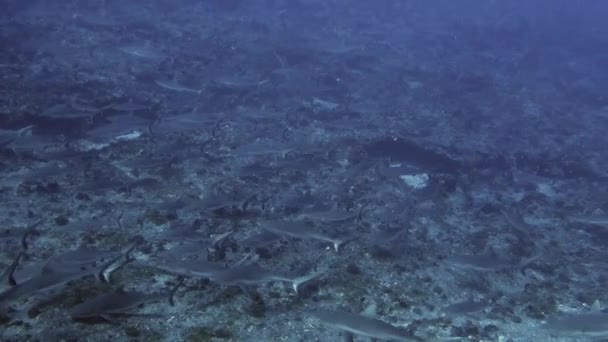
441	164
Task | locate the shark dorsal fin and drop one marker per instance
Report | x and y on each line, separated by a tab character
371	311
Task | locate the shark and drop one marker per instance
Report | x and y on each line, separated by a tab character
598	220
364	325
191	268
302	230
593	324
174	86
61	269
111	304
253	274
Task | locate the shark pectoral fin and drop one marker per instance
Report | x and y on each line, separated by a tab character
9	273
338	243
180	282
297	282
370	311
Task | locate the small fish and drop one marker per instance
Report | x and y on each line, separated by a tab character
67	111
599	220
111	304
184	122
214	202
191	268
128	106
355	324
588	324
324	104
172	85
82	107
238	83
480	262
331	215
466	307
143	51
302	230
254	274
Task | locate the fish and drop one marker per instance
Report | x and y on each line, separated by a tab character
216	201
115	303
172	85
142	51
466	307
193	120
228	85
117	128
191	268
261	148
480	262
68	111
63	268
8	137
186	234
301	230
589	324
192	249
599	220
83	107
362	325
128	106
254	274
324	104
331	215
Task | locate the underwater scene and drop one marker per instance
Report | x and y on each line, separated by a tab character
303	170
